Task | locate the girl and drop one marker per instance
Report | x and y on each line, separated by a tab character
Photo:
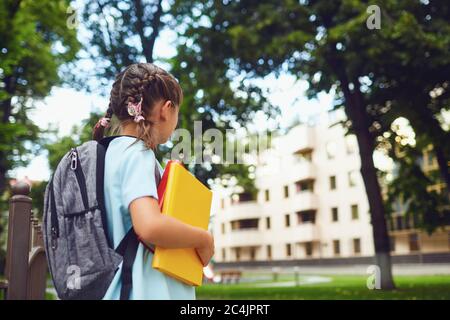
146	101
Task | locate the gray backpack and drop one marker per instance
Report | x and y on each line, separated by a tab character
81	259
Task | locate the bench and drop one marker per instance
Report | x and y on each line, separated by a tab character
230	276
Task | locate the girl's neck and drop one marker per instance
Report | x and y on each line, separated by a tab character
129	130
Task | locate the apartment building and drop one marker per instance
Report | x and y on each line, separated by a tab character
405	238
311	204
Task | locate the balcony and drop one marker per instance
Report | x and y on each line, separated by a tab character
243	237
301	170
306	232
243	210
304	200
299	138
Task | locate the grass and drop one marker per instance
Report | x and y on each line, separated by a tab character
340	287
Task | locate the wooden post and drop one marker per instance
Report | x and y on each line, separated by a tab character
33	230
37	268
18	242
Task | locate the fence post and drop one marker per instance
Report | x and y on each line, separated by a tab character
37	268
18	242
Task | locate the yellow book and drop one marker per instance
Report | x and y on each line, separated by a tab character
186	199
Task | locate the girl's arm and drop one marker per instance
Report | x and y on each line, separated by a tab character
162	230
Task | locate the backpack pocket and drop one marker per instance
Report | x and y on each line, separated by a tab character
89	256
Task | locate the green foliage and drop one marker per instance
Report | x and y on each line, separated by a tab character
79	134
35	41
386	73
412	187
119	33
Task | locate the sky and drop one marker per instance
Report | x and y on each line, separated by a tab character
65	107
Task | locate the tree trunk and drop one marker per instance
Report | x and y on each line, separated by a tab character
355	111
148	43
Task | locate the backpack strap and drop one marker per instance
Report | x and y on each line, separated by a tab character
127	248
53	216
100	172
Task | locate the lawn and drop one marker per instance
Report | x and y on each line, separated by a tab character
339	287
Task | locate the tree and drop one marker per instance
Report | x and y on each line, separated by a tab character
412	191
126	33
120	33
412	67
377	74
323	42
35	41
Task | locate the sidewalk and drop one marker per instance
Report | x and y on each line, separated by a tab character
399	269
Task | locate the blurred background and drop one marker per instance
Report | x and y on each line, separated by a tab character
353	95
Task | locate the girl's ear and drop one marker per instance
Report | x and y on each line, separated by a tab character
166	108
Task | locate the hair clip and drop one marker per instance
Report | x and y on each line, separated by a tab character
104	122
135	110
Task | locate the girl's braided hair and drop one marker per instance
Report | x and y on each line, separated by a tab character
138	81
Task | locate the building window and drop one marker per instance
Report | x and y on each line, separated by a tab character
223	228
334	214
304	185
351	144
449	239
392	243
399	222
244	224
266	195
287	220
304	155
288	249
430	158
307	216
336	247
286	191
414	242
355	213
333	183
308	156
331	150
268	222
352	178
269	252
357	246
308	248
238	254
252	253
224	256
245	197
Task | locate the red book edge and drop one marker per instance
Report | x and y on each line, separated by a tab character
163	183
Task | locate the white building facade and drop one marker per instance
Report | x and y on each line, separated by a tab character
311	203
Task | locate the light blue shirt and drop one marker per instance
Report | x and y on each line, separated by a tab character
130	174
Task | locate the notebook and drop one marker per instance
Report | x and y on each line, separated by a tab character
183	197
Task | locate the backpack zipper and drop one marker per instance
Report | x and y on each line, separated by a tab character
75	165
73	157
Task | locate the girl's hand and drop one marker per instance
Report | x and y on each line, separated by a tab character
206	250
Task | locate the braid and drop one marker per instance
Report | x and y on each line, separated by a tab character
145	83
99	128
